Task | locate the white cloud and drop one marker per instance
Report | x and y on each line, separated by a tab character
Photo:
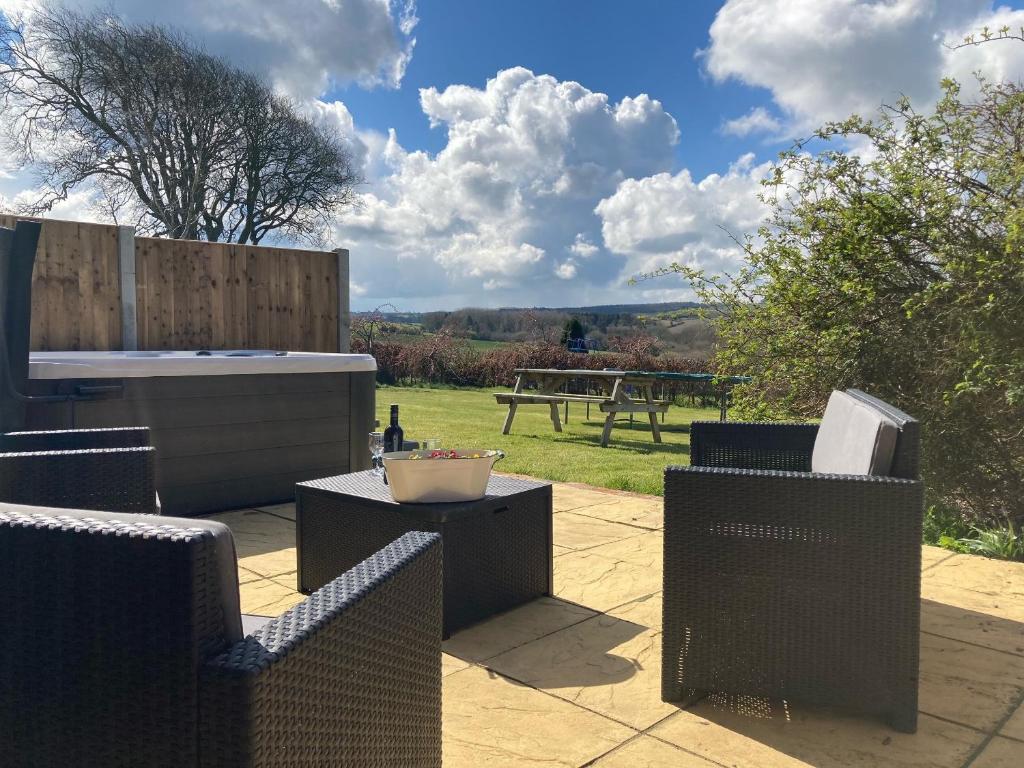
757	120
826	59
582	247
669	218
566	270
999	60
80	205
304	46
334	116
508	203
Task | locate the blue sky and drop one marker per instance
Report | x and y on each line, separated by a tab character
618	48
542	153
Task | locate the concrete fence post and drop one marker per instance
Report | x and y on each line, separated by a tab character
344	311
126	268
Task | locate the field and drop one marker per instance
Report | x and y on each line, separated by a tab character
485	344
469	418
481	345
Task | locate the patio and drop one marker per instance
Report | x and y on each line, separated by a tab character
574	680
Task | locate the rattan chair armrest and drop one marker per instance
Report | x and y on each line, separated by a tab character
752	445
354	670
76	439
108	479
864	504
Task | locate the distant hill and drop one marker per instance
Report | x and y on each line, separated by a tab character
675	325
632	309
600	309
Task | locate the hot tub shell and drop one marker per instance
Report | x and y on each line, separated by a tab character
230	431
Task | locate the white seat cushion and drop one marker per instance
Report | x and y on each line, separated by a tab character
853	439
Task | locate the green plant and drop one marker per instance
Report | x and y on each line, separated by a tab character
944	527
1002	542
898	269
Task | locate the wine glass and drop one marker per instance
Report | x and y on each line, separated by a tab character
376	451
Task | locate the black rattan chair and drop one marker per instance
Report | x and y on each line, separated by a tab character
98	469
123	646
787	584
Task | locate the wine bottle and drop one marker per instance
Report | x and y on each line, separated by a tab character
394	437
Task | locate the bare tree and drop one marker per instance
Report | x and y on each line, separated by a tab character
365	325
176	139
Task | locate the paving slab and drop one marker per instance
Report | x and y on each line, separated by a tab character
567	497
578	532
451	664
490	720
645	550
641	512
286	510
978	582
601	583
515	628
647	752
1014	726
969	684
604	664
1001	753
645	611
791	738
245	575
266	597
940	618
934	555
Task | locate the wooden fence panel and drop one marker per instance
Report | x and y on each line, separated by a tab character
190	294
76	290
195	295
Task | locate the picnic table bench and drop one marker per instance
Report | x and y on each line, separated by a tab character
623	392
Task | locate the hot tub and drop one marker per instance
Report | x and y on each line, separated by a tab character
231	429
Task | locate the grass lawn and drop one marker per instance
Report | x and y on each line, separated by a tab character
486	344
469	418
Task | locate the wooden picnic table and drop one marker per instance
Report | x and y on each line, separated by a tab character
623	392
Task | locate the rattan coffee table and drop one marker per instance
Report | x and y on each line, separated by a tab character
497	550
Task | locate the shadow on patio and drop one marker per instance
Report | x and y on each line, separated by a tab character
574	679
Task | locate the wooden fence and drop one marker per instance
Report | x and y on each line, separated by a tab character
98	287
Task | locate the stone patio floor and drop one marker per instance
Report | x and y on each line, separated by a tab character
574	680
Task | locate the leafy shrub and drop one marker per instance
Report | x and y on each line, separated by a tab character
1002	542
897	269
444	359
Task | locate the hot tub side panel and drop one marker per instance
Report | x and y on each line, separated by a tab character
230	441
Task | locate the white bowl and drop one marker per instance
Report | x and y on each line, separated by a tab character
430	481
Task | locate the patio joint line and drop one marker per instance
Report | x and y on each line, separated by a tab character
274	514
951	721
989	738
629	602
603	520
539	637
1016	654
647	730
602	544
639	736
711	760
614	749
582	506
636	731
938	562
